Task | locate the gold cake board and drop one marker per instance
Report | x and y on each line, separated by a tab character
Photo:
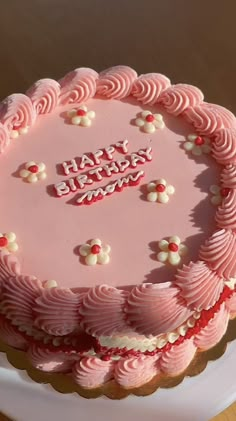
64	383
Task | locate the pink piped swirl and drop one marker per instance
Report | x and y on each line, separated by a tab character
210	335
56	311
4	138
91	372
132	372
10	336
178	98
78	86
116	82
147	88
51	362
17	111
228	176
200	287
207	118
9	267
156	308
226	213
224	146
231	305
178	358
102	312
44	95
219	252
18	297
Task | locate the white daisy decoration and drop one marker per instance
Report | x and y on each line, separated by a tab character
95	252
197	145
8	242
149	122
171	250
159	191
33	172
81	116
218	194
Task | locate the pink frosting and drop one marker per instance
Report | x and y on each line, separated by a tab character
207	118
147	88
17	111
44	95
116	82
224	146
179	98
210	335
134	372
57	311
231	305
45	360
219	252
10	336
9	266
228	176
4	138
18	297
156	308
177	359
226	213
91	372
102	310
200	287
78	86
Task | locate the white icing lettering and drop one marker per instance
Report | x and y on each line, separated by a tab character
123	145
136	159
109	152
123	164
147	153
86	161
110	168
72	185
96	155
97	172
70	166
82	180
61	189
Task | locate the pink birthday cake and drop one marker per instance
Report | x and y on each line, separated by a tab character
118	225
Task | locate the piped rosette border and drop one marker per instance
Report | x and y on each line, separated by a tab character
106	333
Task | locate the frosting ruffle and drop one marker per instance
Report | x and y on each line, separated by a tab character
17	111
4	138
9	335
91	372
44	95
231	305
116	82
134	372
78	86
102	312
148	88
153	309
210	335
224	146
200	287
226	213
219	252
178	358
53	362
56	311
9	266
228	176
178	98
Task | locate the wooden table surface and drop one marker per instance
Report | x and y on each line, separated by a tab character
189	41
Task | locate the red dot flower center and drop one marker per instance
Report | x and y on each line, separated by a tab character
199	141
173	247
33	168
224	191
150	118
81	113
160	188
95	249
3	241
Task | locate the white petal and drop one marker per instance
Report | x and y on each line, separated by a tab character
197	150
85	121
51	283
106	248
91	114
162	256
161	181
207	141
14	134
71	113
91	259
174	258
174	239
23	130
188	146
12	247
84	250
96	241
11	236
145	113
83	107
214	189
159	124
149	128
139	122
216	200
29	164
170	189
192	137
32	178
42	175
103	258
163	197
183	249
76	120
24	173
163	245
41	166
206	148
158	117
151	187
152	196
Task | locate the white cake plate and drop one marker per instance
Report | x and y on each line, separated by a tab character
195	399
